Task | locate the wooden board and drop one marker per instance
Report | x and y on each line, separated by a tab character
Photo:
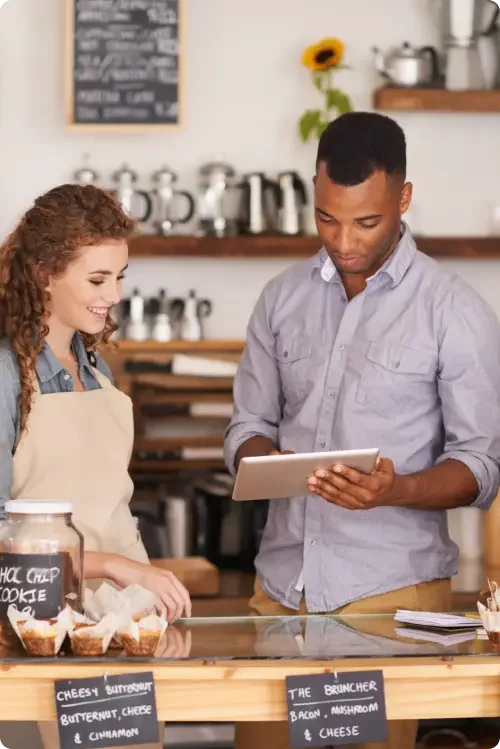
200	576
167	444
161	467
183	382
180	347
296	247
225	691
185	246
124	66
437	100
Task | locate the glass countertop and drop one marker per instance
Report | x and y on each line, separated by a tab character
314	637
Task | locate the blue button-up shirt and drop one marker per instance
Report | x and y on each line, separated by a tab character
412	366
52	378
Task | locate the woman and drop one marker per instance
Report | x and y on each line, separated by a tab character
65	431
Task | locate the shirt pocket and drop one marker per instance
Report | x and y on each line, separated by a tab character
395	378
294	361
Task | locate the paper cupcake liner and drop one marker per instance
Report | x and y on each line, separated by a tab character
90	639
40	637
133	601
489	619
141	637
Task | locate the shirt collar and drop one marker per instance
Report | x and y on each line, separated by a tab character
394	267
48	366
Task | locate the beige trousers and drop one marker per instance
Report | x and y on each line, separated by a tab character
432	596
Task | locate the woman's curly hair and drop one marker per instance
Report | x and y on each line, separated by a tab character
45	241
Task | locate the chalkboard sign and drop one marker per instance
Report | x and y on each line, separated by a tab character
31	582
106	711
124	66
332	709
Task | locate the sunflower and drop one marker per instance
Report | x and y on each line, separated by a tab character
323	55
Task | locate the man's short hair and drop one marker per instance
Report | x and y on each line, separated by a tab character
357	144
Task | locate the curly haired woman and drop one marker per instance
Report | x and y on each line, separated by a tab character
65	431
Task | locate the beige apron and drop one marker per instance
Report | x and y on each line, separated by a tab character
77	448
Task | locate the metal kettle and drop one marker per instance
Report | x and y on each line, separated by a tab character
408	66
217	185
127	194
259	204
166	197
86	175
195	311
292	197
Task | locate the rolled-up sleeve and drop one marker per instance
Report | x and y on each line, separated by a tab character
258	397
9	391
469	388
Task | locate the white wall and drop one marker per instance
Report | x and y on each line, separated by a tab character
245	90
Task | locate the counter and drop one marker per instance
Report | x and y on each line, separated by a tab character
234	669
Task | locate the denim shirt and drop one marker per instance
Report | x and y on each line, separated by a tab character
52	378
412	366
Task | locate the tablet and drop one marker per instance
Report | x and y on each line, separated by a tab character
282	476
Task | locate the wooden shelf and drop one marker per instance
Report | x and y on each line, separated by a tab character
460	247
182	246
281	247
436	100
180	346
160	467
171	444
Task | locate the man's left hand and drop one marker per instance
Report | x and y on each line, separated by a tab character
348	488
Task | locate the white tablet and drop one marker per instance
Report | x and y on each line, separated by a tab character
281	476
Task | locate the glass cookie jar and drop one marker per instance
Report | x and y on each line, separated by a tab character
41	558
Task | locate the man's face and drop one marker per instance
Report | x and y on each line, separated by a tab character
359	225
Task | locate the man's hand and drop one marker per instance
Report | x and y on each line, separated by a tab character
353	490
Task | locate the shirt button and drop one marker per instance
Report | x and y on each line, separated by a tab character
312	542
396	365
331	394
66	376
322	443
285	354
341	347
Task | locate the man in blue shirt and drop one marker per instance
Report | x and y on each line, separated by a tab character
369	343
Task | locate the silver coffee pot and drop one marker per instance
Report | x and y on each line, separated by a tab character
259	204
461	23
195	312
166	217
127	194
216	200
86	175
292	198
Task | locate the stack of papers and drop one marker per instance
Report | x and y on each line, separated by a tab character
437	622
437	637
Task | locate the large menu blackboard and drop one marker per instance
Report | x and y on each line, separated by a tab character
125	62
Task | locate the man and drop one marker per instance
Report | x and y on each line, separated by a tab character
368	344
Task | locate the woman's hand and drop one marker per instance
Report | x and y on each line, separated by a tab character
172	598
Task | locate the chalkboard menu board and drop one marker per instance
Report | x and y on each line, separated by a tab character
334	709
106	711
124	63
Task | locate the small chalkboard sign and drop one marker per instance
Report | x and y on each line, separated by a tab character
331	709
124	64
106	711
32	583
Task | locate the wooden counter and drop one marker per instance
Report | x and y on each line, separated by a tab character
255	690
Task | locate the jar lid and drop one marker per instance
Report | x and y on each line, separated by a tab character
38	507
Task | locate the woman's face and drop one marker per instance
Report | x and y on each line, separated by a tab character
80	299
